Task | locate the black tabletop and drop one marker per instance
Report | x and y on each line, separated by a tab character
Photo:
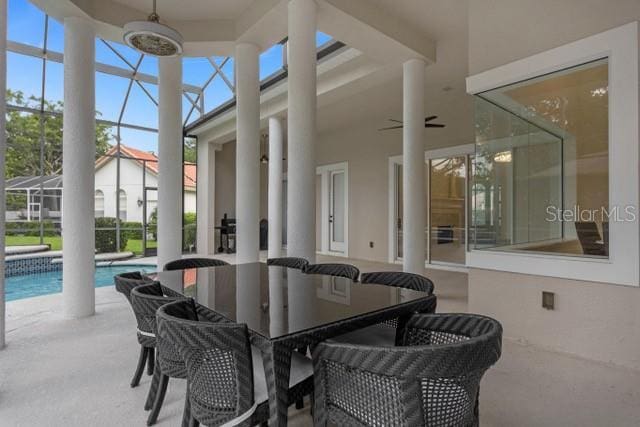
276	301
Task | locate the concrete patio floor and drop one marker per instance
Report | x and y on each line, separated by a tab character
60	372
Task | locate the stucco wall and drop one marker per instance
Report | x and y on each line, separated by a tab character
131	183
502	31
225	198
593	320
367	151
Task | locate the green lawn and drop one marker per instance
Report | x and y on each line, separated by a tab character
55	242
133	245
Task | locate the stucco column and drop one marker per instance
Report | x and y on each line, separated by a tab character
78	157
206	190
3	147
247	153
169	160
413	134
301	158
276	140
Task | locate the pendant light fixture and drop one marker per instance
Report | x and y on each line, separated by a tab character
153	38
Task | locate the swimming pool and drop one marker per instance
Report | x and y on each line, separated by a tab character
36	284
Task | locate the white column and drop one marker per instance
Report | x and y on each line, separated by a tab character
169	160
301	163
414	207
247	153
276	140
78	157
3	146
206	187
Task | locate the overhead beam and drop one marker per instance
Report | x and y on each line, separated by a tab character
264	23
373	31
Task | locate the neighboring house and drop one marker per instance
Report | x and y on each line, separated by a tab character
133	165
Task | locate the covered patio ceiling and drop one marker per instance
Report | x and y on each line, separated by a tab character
214	27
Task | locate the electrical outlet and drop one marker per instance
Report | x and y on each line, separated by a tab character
548	300
371	244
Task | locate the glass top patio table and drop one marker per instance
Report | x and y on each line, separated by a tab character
276	301
286	310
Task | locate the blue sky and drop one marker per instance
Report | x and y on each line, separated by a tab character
26	25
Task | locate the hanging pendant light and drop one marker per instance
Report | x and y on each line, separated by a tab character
264	141
153	38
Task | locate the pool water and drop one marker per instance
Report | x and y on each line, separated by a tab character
36	284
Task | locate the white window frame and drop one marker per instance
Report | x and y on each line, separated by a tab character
324	172
98	194
620	46
122	209
463	150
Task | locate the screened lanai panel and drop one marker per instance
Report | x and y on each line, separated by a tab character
149	65
24	76
107	53
227	68
271	61
138	106
196	71
25	23
322	38
54	82
145	141
216	94
55	35
110	95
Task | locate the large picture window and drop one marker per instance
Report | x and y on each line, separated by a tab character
541	174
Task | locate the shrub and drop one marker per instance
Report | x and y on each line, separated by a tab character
189	233
152	225
106	235
31	228
131	230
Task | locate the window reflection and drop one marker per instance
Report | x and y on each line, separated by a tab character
540	180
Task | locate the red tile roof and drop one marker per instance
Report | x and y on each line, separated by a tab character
150	160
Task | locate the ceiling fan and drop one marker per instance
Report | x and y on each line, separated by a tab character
426	123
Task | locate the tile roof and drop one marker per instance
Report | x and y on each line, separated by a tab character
150	160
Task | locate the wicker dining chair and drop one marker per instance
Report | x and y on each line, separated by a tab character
289	262
590	239
432	380
225	374
399	279
185	263
384	334
125	282
340	270
146	300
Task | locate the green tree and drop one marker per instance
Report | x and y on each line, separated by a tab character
23	137
190	155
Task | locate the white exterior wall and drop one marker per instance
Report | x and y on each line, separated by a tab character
594	320
131	183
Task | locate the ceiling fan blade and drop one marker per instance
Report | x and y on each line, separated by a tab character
429	118
433	125
396	121
392	127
